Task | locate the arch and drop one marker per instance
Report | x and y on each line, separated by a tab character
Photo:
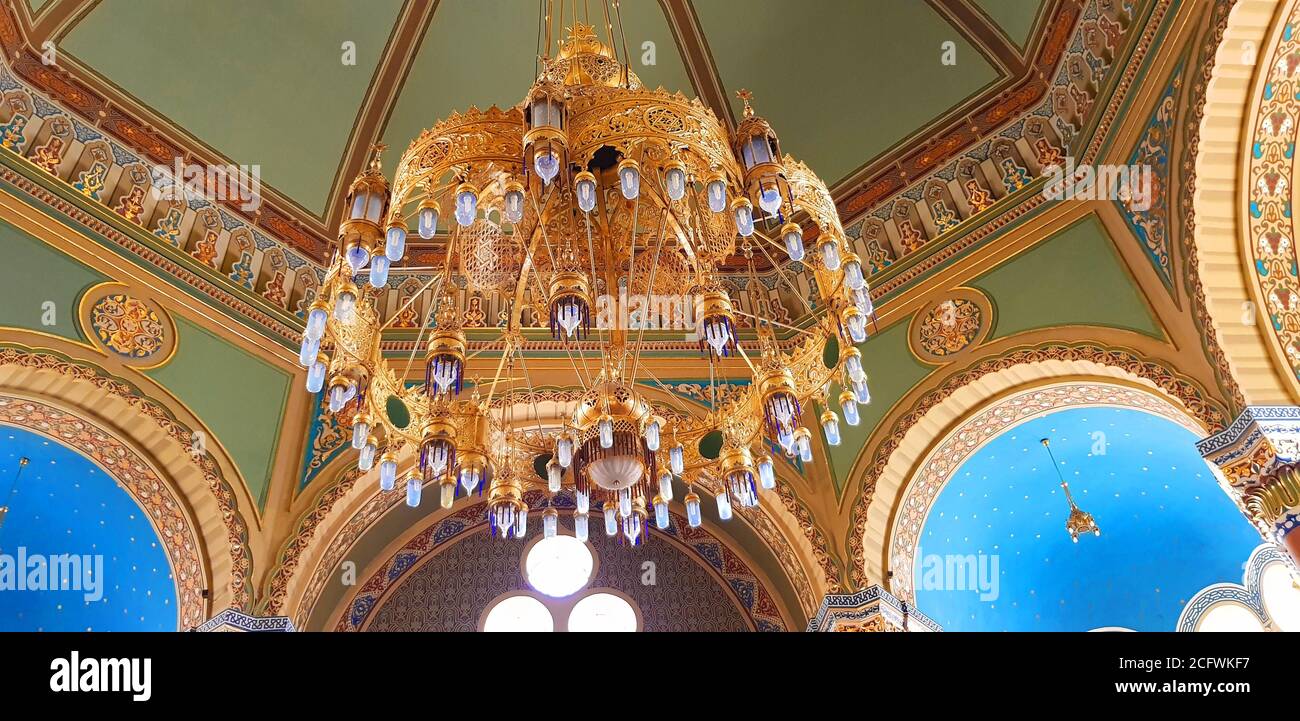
1247	594
896	459
67	382
981	426
1221	234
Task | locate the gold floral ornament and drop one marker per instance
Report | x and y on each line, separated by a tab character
951	326
127	326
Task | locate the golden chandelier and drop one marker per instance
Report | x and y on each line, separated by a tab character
601	186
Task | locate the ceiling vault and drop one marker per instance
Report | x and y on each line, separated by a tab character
58	18
385	87
700	67
981	32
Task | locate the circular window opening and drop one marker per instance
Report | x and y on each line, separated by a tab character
558	566
519	614
602	613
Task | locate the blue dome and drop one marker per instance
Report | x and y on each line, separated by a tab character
65	504
1167	528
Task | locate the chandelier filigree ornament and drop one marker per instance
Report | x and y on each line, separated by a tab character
593	185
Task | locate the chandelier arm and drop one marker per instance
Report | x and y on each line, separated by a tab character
805	331
780	273
537	411
649	291
414	297
424	325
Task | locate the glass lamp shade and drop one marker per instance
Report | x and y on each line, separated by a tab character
345	306
629	179
547	165
853	366
580	521
308	351
831	428
316	319
803	445
830	251
521	523
316	375
724	506
470	478
666	486
550	523
861	393
624	503
428	221
447	493
366	458
717	194
605	427
744	215
611	519
554	476
512	205
395	242
387	472
413	490
564	450
652	435
584	187
792	236
360	431
357	257
582	501
661	513
693	517
379	266
857	325
677	459
769	199
675	182
849	405
766	472
853	277
466	206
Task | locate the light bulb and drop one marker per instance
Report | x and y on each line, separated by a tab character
395	242
624	503
338	397
652	435
693	517
357	257
853	277
585	188
857	325
316	318
803	445
580	526
413	490
860	391
744	213
550	523
387	472
308	351
379	271
316	375
554	475
724	506
582	501
629	179
611	519
717	192
853	365
666	485
466	206
792	236
830	251
766	472
769	199
345	306
447	493
521	523
547	164
661	513
428	221
675	182
677	459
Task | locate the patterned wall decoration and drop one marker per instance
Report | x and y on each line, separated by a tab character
951	326
1269	180
327	436
973	433
751	594
1247	594
136	331
1151	225
241	558
153	494
1187	392
451	587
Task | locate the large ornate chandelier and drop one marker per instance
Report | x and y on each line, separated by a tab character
601	186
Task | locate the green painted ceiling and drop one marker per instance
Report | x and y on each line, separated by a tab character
841	82
36	5
241	399
262	83
24	291
1015	17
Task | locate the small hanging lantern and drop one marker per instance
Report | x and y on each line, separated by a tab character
570	305
545	133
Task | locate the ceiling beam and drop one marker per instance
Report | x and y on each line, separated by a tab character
695	52
983	33
53	22
381	97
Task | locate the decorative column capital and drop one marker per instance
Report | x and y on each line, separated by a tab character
1274	500
1258	441
871	609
